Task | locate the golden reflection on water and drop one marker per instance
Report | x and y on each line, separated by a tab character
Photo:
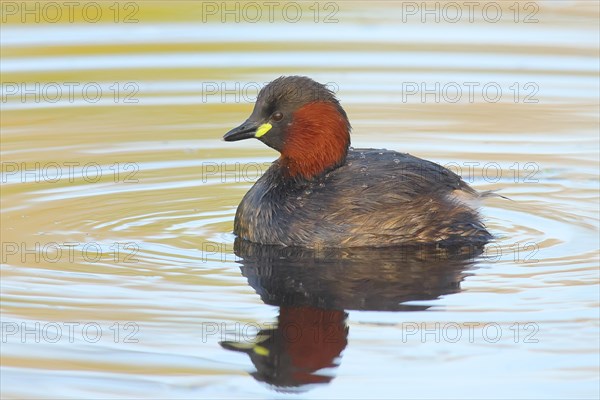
147	239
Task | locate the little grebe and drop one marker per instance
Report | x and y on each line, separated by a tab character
322	193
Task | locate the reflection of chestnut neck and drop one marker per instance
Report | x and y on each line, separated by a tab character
313	339
305	340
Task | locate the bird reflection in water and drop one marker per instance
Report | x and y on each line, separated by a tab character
313	288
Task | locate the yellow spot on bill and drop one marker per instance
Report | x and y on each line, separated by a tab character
264	128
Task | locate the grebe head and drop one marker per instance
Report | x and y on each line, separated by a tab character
304	121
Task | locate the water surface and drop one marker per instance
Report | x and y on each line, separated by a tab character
120	277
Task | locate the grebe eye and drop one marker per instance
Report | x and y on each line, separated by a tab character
277	116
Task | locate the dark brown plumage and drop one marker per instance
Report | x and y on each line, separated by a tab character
320	193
